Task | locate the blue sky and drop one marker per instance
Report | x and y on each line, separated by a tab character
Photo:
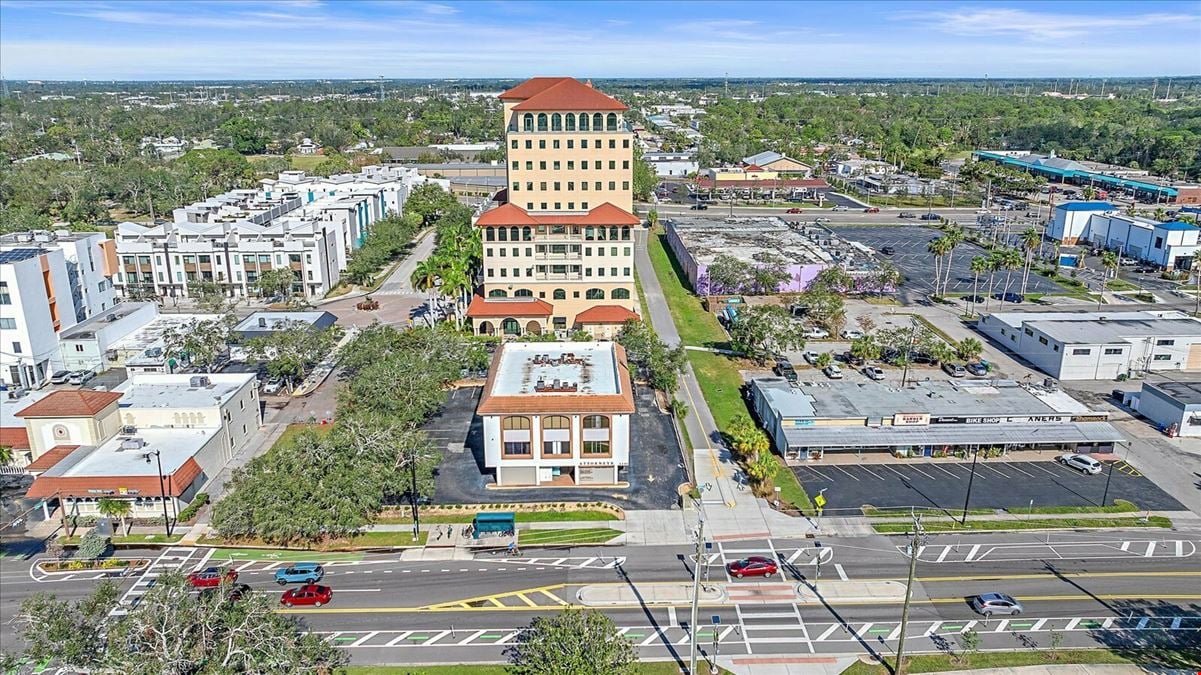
261	39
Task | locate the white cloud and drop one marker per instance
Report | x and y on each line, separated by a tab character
1043	26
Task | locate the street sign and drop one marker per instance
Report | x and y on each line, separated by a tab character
716	619
820	501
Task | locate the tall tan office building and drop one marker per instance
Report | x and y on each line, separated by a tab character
559	256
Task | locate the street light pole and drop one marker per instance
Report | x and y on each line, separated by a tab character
162	487
413	499
696	590
914	543
970	479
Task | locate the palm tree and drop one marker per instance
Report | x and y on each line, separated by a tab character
1109	260
1009	260
980	264
425	275
6	455
938	248
1030	240
994	264
652	217
969	349
119	508
954	237
1161	214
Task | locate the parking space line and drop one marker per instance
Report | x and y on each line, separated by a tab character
1015	468
822	475
921	472
853	476
994	469
1043	469
944	470
873	473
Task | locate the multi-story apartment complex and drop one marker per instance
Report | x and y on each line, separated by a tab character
49	281
309	225
559	255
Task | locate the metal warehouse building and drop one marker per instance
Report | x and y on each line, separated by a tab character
1098	345
930	419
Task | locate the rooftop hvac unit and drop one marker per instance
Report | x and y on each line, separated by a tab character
132	443
129	429
198	381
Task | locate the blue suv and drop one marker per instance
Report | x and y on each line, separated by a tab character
300	573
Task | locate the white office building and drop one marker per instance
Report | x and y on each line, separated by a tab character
557	414
1172	245
1098	345
672	164
91	345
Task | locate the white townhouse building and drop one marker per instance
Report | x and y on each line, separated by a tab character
49	282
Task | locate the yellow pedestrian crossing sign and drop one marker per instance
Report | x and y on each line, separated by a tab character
820	500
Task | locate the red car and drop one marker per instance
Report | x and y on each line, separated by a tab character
309	594
871	209
211	577
795	210
754	566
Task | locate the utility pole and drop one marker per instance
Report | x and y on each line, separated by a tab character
970	479
914	542
696	590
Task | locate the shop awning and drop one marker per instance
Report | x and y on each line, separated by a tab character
953	434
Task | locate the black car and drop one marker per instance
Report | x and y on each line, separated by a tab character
1146	269
922	358
931	216
699	207
1009	297
888	250
853	360
785	370
906	214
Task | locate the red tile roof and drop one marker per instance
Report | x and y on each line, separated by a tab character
532	86
50	458
71	403
621	402
566	94
503	308
511	214
15	437
605	314
87	486
753	167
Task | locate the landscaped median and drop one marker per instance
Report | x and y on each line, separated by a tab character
361	541
1018	523
718	375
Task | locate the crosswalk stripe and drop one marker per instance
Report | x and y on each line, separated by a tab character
363	639
827	633
403	634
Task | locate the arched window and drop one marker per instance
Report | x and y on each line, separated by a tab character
560	294
489	234
595	294
611	122
556	122
510	327
527	122
541	121
527	234
570	122
497	293
556	422
514	234
620	294
523	293
583	121
516	423
502	234
598	122
486	328
596	422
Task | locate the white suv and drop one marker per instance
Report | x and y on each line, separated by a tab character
1082	463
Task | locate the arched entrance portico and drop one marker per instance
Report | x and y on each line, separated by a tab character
533	328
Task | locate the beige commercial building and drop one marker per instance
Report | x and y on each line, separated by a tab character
559	256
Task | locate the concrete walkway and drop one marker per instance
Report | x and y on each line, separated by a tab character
1094	669
731	510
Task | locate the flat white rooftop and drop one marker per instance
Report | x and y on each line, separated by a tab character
273	321
182	391
533	368
151	335
9	408
111	459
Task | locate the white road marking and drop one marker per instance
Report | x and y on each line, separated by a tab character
1038	625
207	554
1126	545
1176	623
1150	549
933	628
363	639
829	630
1142	623
942	556
671	616
471	637
1071	624
396	640
842	574
1001	626
437	637
972	553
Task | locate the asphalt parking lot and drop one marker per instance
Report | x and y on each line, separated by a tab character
917	264
998	485
656	464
